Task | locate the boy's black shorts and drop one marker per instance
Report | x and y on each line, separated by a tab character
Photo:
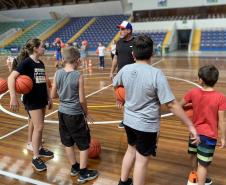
145	142
74	130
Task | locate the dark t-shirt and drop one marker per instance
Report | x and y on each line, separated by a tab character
37	98
124	52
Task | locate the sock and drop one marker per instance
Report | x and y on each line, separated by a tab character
75	166
83	171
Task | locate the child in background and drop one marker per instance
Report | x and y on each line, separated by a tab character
101	50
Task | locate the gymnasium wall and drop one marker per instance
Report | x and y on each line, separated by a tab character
153	4
80	10
168	25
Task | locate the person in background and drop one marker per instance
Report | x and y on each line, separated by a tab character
123	54
101	52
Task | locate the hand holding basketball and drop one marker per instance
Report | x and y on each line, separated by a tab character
120	96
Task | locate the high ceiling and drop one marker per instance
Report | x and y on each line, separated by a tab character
21	4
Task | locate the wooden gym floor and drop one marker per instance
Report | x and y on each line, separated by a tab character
170	167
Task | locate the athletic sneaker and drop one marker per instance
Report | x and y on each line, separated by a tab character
43	152
208	181
128	182
87	176
74	171
38	164
121	125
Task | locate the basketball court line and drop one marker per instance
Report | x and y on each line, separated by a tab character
33	181
56	122
98	122
22	178
24	117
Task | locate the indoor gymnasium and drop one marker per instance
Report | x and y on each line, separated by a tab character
112	92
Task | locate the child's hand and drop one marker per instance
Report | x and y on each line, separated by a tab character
222	145
194	135
119	104
50	103
14	105
89	119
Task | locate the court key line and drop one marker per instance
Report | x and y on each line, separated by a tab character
23	178
56	122
46	121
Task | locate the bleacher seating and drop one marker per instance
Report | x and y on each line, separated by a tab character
213	40
34	32
103	30
156	36
70	29
5	26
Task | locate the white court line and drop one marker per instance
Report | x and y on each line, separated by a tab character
56	122
23	178
46	121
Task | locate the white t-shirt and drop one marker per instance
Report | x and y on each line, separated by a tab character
101	50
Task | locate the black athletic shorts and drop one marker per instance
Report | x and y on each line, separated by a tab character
74	130
145	142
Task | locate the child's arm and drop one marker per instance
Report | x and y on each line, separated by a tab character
175	108
53	93
82	98
113	67
222	125
50	103
14	105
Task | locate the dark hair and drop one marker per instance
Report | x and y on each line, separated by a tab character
209	74
143	47
25	51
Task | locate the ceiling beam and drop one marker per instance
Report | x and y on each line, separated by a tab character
11	3
37	2
62	2
4	5
24	2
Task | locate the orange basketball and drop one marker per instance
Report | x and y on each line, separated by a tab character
24	84
120	94
94	149
3	85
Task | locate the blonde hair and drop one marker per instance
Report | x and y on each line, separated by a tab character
70	55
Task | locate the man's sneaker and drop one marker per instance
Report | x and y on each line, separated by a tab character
38	164
89	175
74	171
208	181
121	125
128	182
29	147
43	152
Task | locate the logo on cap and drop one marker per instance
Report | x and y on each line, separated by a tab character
125	25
